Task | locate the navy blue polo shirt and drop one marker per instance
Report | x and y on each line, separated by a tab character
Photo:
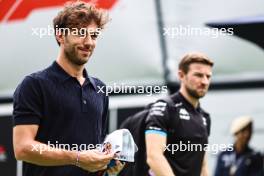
66	112
247	163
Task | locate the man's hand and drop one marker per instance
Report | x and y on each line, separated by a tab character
93	160
116	169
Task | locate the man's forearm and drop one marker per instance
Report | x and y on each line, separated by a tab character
159	165
205	170
42	154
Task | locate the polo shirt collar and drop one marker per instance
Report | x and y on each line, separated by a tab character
187	103
63	75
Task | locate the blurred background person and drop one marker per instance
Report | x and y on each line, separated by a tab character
242	160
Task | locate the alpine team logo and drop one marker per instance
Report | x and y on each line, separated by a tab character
3	156
11	10
184	114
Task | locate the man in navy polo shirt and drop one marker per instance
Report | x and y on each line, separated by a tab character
176	135
61	105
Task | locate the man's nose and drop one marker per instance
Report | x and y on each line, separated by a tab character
88	41
205	80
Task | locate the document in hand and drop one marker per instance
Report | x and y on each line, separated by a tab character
122	143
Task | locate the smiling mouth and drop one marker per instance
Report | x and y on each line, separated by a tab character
84	50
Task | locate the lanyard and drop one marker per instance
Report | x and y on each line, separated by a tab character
236	163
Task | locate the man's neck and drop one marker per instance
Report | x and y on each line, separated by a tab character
72	69
193	101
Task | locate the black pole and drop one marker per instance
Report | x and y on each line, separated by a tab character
163	46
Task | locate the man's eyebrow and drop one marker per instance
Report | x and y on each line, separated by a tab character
199	73
93	32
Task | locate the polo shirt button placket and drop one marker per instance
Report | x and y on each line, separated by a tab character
84	101
84	105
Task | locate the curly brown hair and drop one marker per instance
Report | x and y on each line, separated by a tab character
79	14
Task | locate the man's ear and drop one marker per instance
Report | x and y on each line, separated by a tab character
60	38
181	75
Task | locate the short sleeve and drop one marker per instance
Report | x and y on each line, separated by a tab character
27	107
158	118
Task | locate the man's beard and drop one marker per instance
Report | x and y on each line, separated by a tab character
193	93
71	55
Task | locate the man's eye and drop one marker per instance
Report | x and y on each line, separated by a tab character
94	35
81	33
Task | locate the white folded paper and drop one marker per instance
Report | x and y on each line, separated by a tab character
120	142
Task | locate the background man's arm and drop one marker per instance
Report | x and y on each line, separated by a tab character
205	170
155	145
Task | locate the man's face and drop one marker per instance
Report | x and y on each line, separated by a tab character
79	48
243	136
197	80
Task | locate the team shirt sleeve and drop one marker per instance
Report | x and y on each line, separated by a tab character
157	119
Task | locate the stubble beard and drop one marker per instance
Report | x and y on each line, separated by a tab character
72	57
193	93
